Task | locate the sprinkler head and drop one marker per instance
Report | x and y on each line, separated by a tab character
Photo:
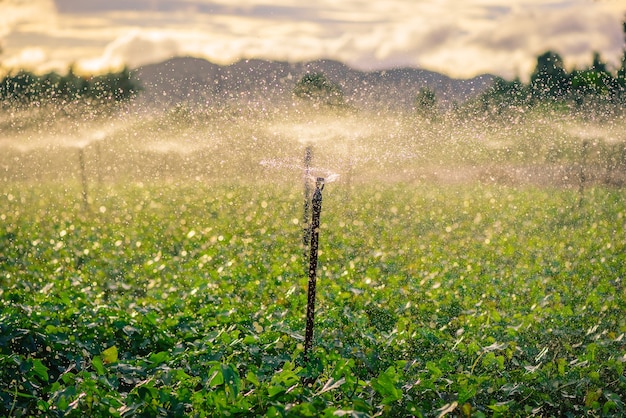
319	183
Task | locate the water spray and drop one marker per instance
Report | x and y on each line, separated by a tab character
316	203
98	163
83	177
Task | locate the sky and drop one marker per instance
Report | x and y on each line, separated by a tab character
460	38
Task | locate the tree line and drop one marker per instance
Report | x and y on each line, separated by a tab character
27	88
595	85
550	81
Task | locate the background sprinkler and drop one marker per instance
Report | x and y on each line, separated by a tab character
306	217
83	176
98	159
582	178
314	231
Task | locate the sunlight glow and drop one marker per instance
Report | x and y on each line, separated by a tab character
461	39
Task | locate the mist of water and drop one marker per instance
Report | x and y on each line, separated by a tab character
350	145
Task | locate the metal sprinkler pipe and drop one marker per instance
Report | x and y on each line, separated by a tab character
99	172
83	177
316	203
582	178
306	217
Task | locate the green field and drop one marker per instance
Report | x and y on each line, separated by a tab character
463	272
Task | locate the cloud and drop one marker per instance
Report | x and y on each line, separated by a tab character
133	49
16	13
460	38
27	58
574	32
25	19
105	6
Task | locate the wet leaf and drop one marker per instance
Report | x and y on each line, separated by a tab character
109	355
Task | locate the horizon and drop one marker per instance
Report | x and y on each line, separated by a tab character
243	59
306	62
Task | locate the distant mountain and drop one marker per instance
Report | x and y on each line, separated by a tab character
261	82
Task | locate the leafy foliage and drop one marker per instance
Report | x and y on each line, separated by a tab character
189	301
26	88
591	89
426	103
319	89
549	80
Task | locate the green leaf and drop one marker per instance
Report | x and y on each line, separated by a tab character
40	370
96	362
231	379
158	358
466	392
216	377
385	385
500	407
592	397
110	355
275	390
252	378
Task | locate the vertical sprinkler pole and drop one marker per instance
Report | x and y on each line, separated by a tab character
83	176
98	154
315	232
306	217
582	178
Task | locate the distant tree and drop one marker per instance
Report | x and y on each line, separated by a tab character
426	103
317	88
72	86
425	99
118	86
23	88
621	72
595	81
50	84
503	94
598	65
549	80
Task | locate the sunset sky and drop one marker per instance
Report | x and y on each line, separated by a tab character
461	38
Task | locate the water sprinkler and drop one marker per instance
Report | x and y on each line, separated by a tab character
316	203
582	178
83	177
98	163
306	238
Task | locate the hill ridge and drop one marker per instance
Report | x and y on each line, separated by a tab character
260	81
